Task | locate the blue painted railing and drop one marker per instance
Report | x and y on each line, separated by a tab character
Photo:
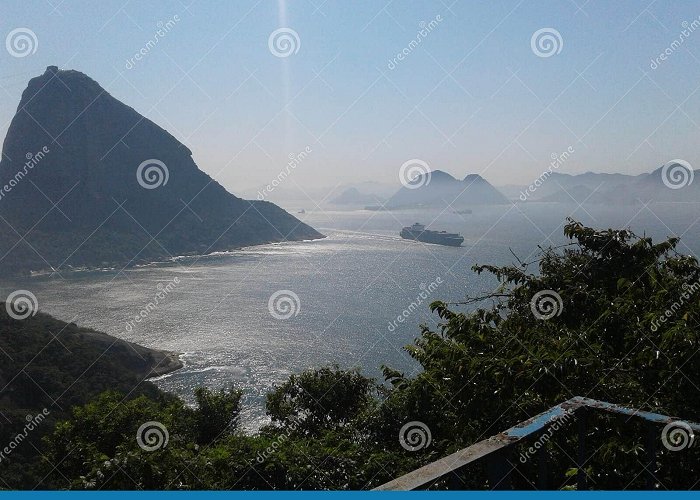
495	450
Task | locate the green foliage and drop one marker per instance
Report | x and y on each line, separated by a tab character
626	332
216	415
324	399
98	448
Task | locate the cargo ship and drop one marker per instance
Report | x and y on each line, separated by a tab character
419	233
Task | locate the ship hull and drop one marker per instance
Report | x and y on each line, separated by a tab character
435	239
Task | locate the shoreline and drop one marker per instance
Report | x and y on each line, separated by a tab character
172	364
29	273
156	362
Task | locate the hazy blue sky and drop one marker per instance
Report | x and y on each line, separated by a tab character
471	97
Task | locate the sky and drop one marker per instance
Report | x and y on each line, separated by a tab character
476	95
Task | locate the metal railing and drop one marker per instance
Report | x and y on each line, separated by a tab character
495	450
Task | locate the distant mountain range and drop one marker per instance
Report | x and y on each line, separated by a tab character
436	189
439	189
661	185
353	197
85	180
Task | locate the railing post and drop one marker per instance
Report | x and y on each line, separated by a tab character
499	468
650	445
581	420
454	482
543	467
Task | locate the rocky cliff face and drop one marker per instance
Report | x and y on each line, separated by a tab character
94	182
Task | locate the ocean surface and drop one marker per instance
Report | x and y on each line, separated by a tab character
351	288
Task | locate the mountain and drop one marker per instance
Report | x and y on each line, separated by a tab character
439	189
88	181
613	189
554	184
352	196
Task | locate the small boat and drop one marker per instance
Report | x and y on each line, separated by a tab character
302	211
419	233
465	211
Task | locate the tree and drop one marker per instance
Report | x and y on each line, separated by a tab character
587	323
217	414
322	399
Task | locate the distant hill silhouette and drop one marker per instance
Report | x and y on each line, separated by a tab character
616	189
353	197
125	190
439	189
